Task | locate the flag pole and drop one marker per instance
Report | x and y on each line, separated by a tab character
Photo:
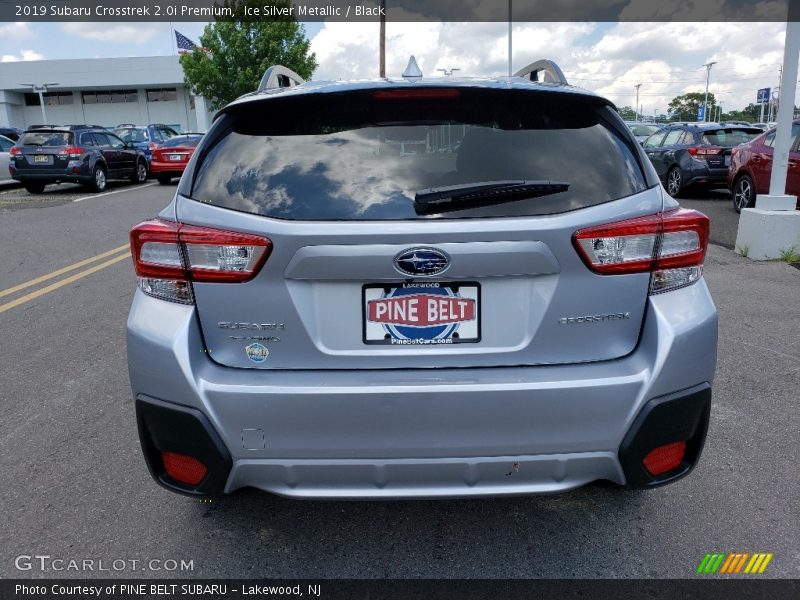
174	43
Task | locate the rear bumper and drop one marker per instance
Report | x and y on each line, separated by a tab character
166	168
707	177
69	175
433	432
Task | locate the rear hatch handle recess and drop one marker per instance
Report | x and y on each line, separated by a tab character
482	193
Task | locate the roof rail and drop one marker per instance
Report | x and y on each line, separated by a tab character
278	76
550	72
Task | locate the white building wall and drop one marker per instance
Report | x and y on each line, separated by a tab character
80	75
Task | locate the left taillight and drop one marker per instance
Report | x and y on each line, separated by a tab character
168	256
671	246
15	151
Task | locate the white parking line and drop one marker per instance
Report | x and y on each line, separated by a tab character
127	189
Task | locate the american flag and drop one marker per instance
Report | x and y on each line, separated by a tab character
184	43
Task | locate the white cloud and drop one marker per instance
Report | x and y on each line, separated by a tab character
23	55
15	32
130	33
610	59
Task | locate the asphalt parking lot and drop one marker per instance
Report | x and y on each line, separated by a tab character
73	484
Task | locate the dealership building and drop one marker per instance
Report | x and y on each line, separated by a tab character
100	91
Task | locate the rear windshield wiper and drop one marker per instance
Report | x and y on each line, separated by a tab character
482	193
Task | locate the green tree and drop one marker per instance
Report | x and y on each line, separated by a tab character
627	113
684	107
234	54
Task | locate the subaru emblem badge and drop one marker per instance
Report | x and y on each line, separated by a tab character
421	261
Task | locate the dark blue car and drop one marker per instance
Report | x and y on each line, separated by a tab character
75	154
145	137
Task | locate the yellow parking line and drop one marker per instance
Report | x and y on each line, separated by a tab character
61	271
62	283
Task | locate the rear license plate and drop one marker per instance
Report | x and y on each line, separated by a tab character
41	158
421	313
727	161
175	157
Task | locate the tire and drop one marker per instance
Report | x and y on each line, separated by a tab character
99	179
674	182
164	179
34	188
139	174
744	193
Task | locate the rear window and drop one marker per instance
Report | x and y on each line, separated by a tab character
46	138
644	130
729	136
359	156
132	135
183	140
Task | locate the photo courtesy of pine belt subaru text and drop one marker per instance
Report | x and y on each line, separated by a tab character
420	287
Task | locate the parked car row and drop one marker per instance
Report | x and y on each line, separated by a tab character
714	155
92	155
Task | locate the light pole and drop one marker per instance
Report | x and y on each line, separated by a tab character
637	86
509	38
708	76
41	88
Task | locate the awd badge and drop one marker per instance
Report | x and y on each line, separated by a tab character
258	353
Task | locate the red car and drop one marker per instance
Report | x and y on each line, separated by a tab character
170	158
751	166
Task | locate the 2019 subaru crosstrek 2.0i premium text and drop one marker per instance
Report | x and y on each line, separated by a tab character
393	289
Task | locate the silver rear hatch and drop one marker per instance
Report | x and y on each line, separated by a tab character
358	278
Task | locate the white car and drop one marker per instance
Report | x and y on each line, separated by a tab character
5	146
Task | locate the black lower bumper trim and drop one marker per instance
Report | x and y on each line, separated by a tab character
167	427
673	418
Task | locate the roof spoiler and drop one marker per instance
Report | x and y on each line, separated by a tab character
544	71
278	76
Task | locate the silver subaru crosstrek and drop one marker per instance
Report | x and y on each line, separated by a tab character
420	287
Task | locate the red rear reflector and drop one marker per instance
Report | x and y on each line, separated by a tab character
704	150
416	94
664	458
185	469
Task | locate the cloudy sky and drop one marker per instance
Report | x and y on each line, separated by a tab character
608	58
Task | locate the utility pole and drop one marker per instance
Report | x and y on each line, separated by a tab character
382	68
509	38
637	86
708	76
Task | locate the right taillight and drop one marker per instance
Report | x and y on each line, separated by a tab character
671	246
169	255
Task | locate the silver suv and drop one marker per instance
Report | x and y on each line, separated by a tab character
420	288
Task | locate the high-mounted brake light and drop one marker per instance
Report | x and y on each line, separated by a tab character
168	255
416	94
704	150
671	246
